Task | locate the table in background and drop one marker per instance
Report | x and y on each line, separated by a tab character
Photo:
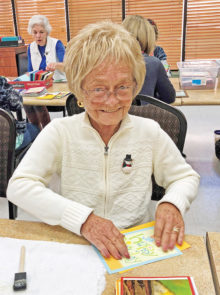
198	97
8	60
213	246
194	262
56	87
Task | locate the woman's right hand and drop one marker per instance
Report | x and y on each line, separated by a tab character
103	234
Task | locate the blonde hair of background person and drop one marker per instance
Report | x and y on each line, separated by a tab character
89	49
105	69
156	83
142	30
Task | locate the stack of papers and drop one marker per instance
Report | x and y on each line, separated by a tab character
34	91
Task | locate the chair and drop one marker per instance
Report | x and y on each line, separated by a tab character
72	106
7	155
171	120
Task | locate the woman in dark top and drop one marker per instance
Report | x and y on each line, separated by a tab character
157	83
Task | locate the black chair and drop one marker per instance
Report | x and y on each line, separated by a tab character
72	106
7	155
171	120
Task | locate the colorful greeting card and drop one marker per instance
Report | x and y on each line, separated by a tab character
142	250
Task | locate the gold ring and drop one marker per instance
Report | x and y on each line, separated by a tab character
176	229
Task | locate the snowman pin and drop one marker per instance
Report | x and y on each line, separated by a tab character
127	164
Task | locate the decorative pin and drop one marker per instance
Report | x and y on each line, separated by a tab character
127	164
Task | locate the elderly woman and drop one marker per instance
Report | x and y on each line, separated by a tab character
105	70
44	53
157	83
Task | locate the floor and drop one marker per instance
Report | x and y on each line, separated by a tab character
204	213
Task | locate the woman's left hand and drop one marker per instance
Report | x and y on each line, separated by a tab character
169	226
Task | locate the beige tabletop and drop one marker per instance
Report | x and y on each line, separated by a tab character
194	262
49	102
213	246
198	97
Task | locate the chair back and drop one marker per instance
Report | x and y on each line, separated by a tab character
7	155
7	149
72	106
170	119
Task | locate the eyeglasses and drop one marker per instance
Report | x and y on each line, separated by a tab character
102	94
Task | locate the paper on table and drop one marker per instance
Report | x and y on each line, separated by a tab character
142	249
52	268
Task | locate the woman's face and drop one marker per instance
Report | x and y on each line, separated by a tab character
108	92
39	34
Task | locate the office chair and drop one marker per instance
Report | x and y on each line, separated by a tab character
171	120
72	106
7	155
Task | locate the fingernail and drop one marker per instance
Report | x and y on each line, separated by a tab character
106	254
127	255
157	243
118	256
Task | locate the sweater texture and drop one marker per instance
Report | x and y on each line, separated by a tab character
93	180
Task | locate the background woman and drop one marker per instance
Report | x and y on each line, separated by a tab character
156	83
44	53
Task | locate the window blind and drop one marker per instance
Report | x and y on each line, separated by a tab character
203	29
53	10
83	12
168	17
6	19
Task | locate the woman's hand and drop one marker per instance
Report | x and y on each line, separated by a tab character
51	66
105	236
169	226
55	66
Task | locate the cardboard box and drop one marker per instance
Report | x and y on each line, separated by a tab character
198	74
29	84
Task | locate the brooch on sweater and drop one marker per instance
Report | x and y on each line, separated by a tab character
127	164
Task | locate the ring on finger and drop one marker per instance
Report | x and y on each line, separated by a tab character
176	229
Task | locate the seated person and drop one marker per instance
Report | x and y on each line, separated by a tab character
159	51
157	83
105	70
11	101
44	53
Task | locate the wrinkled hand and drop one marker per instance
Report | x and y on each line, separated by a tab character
51	66
105	236
168	217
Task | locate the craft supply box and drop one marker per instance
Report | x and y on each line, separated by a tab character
198	74
29	84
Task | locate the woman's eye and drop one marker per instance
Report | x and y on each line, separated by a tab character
122	87
99	90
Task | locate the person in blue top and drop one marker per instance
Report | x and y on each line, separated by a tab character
158	50
44	53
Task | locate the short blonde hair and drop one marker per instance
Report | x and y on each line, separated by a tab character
142	30
96	43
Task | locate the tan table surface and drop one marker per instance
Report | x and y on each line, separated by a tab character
198	97
49	102
194	262
213	246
